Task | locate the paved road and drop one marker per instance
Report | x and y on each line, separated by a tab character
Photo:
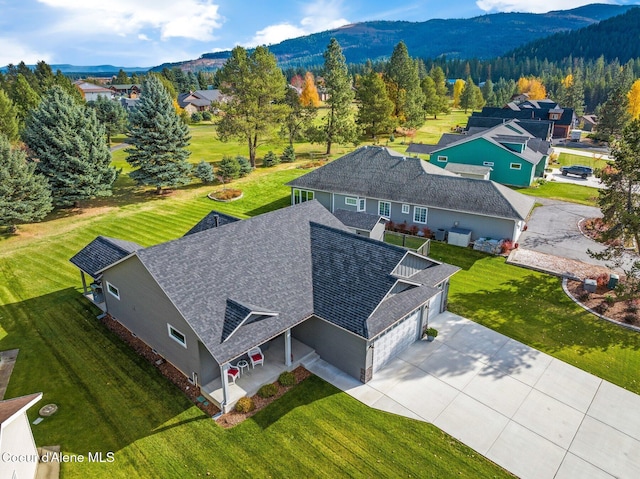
553	229
532	414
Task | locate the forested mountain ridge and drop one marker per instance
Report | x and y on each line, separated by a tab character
454	38
617	37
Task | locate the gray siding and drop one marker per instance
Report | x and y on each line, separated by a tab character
145	310
324	199
411	264
336	346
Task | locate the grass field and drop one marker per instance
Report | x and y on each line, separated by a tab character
595	161
584	195
532	308
110	399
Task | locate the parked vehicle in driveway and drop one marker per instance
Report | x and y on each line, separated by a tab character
578	170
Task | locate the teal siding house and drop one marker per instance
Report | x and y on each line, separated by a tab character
513	155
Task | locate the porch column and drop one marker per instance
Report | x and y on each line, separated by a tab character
287	348
424	314
84	282
225	386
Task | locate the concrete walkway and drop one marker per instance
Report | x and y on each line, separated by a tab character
534	415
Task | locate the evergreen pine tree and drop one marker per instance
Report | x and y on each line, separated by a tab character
69	144
8	118
228	169
299	118
270	159
204	172
467	96
44	77
431	101
24	97
111	114
402	74
613	114
245	165
488	94
24	195
159	139
288	155
121	78
338	125
375	109
440	83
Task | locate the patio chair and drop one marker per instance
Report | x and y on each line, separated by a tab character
256	357
233	373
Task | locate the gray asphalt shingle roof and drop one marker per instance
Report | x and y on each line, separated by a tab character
212	220
101	253
470	169
357	219
283	267
373	172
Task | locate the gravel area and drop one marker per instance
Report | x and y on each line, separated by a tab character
555	265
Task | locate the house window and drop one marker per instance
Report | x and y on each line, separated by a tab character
406	209
113	290
442	159
384	209
516	166
177	336
351	201
362	204
300	196
419	214
487	163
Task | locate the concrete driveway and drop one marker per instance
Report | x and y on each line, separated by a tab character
556	175
553	229
534	415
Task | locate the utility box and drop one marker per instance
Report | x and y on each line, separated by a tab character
613	281
459	237
440	234
590	285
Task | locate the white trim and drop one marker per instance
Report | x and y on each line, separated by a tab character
515	166
380	212
442	158
299	195
406	209
415	211
362	204
113	290
350	201
247	317
177	340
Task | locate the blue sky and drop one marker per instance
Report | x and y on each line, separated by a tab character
150	32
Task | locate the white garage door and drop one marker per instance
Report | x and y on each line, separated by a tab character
434	305
395	340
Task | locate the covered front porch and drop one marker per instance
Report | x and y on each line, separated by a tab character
251	379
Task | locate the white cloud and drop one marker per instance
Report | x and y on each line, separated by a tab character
318	16
13	51
193	19
142	36
531	6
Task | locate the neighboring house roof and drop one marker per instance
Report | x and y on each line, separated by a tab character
212	220
125	86
500	136
527	111
461	168
377	172
592	119
358	219
101	253
445	139
129	102
199	98
91	88
539	128
10	407
246	282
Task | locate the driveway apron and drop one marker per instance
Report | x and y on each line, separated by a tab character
534	415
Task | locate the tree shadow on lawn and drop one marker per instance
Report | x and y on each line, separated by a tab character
534	310
274	205
305	393
108	396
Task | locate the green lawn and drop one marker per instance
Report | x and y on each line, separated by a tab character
532	308
594	161
110	399
585	195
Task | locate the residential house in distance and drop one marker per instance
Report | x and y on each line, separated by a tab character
199	100
563	119
16	438
129	90
402	189
588	122
509	153
91	92
307	288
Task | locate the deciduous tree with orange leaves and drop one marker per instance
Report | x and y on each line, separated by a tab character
309	95
634	100
533	87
